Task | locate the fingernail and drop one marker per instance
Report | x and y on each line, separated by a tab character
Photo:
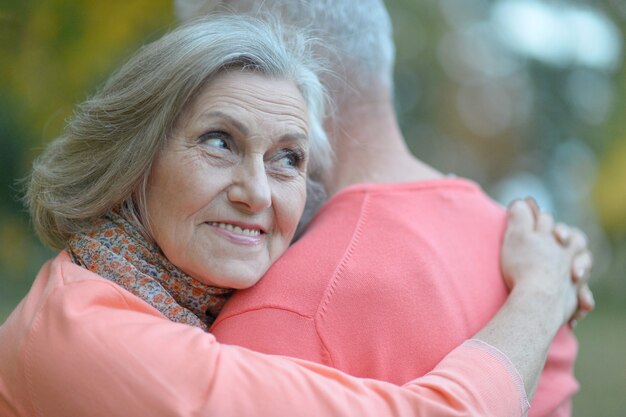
581	271
573	324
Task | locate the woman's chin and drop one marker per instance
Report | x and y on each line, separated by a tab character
237	281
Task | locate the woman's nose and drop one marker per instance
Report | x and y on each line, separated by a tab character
250	186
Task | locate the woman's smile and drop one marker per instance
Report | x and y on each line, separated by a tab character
240	234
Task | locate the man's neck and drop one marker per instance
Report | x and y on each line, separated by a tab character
369	148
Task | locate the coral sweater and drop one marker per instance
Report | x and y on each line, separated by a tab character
387	280
81	346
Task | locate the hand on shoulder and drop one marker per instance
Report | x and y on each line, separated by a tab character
550	262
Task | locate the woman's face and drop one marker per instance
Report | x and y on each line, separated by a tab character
226	193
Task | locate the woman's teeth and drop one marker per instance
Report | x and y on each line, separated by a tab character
236	229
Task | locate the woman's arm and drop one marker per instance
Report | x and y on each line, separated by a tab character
95	350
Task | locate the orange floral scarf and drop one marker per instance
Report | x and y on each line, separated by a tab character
115	249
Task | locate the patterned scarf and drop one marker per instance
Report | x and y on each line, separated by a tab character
115	249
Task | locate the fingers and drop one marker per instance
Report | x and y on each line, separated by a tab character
581	270
534	207
581	266
567	235
521	215
562	233
586	304
545	223
578	240
572	240
568	244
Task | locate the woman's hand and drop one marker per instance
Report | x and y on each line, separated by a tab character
581	269
546	267
550	261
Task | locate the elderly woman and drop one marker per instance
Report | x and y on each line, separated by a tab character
184	178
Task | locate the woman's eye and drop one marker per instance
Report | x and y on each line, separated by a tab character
215	139
290	158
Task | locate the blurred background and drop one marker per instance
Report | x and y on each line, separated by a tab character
525	97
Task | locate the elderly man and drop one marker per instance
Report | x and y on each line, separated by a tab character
401	264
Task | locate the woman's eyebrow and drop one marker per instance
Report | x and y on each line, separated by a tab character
288	137
294	137
231	120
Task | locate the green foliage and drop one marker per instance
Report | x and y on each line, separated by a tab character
600	368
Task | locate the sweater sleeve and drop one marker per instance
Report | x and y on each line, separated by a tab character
95	350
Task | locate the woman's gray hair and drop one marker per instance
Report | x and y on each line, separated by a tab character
103	158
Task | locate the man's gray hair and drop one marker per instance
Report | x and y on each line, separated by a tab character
103	158
358	32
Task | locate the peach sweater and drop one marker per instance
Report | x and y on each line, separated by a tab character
80	346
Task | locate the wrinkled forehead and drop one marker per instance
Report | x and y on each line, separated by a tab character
247	98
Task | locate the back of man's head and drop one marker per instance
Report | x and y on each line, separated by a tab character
357	35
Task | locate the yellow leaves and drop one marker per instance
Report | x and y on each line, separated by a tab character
61	51
610	190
